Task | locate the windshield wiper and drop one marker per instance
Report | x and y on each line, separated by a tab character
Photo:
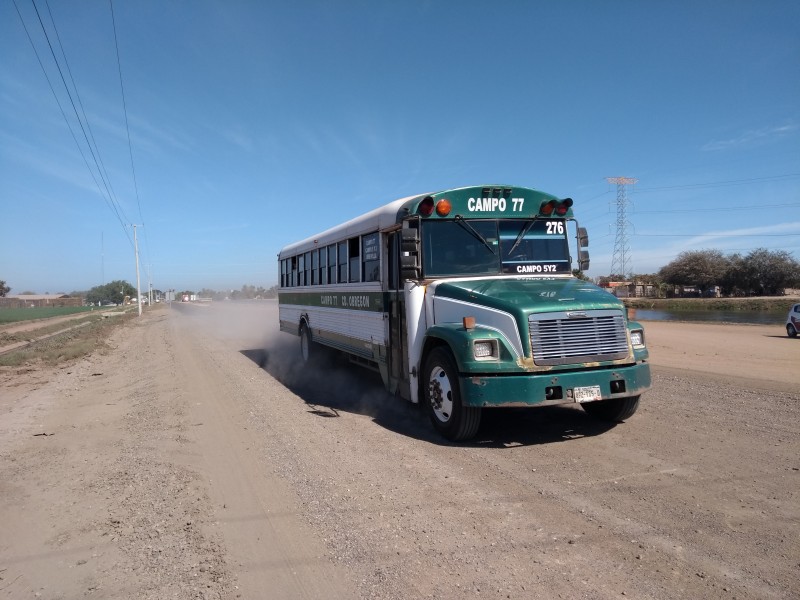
521	236
465	224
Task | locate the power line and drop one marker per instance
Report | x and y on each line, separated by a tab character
718	183
717	210
80	102
722	235
107	199
127	126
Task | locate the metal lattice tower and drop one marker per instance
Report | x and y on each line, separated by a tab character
620	263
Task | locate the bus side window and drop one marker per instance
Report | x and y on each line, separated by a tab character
342	262
355	263
370	257
332	263
294	271
314	267
323	265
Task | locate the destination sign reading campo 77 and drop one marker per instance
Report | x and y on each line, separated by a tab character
495	204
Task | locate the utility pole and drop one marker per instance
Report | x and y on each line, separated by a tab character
620	263
138	283
149	285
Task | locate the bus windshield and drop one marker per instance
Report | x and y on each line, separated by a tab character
487	247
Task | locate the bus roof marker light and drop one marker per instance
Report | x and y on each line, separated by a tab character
425	207
443	207
564	206
546	208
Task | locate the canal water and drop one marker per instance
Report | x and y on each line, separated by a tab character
716	316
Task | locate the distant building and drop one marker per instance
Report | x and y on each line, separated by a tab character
39	300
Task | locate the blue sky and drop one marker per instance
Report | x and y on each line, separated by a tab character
251	125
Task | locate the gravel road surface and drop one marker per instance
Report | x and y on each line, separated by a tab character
197	459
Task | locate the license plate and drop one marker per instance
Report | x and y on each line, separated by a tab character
589	393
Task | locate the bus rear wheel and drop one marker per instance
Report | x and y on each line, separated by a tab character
443	398
307	350
615	409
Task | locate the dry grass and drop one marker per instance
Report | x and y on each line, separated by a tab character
84	337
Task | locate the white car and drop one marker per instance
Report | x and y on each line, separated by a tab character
793	321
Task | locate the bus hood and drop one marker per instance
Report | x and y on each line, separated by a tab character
524	296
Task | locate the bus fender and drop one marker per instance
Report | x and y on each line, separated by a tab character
304	320
459	340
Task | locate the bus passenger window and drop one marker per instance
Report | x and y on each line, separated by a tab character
323	265
342	262
314	267
332	263
355	270
371	258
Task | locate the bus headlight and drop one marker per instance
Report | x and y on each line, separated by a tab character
485	349
637	338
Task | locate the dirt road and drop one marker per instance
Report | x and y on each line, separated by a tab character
197	460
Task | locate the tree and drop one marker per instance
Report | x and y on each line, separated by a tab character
699	268
110	293
4	289
769	273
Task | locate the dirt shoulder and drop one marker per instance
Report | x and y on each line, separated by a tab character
759	354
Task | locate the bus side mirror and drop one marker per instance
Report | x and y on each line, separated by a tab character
583	237
583	260
410	267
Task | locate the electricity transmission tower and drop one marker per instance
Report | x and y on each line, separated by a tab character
620	263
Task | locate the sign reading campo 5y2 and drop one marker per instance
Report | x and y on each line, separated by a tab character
465	300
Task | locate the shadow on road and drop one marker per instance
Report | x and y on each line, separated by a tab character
335	385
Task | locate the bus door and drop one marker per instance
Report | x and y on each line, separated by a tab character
398	356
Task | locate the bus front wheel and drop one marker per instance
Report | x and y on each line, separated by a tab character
443	398
614	409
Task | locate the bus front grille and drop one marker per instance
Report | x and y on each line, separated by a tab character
563	338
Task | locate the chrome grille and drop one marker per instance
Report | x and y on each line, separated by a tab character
558	339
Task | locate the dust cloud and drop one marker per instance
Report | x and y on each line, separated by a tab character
332	385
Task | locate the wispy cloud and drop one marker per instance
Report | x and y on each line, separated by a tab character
752	137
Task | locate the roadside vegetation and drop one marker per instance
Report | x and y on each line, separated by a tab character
706	274
15	315
778	305
59	343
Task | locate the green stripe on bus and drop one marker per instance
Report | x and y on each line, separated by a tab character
369	301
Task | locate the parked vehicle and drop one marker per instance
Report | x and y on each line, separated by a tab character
793	321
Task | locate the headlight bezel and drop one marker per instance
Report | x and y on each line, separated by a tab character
485	349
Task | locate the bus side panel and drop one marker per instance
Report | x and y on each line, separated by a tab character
358	332
354	331
289	317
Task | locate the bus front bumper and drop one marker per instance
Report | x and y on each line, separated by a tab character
552	388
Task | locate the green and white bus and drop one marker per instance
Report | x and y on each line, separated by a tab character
464	300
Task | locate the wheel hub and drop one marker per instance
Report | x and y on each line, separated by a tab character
440	394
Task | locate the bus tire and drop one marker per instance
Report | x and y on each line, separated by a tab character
307	350
442	398
615	409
